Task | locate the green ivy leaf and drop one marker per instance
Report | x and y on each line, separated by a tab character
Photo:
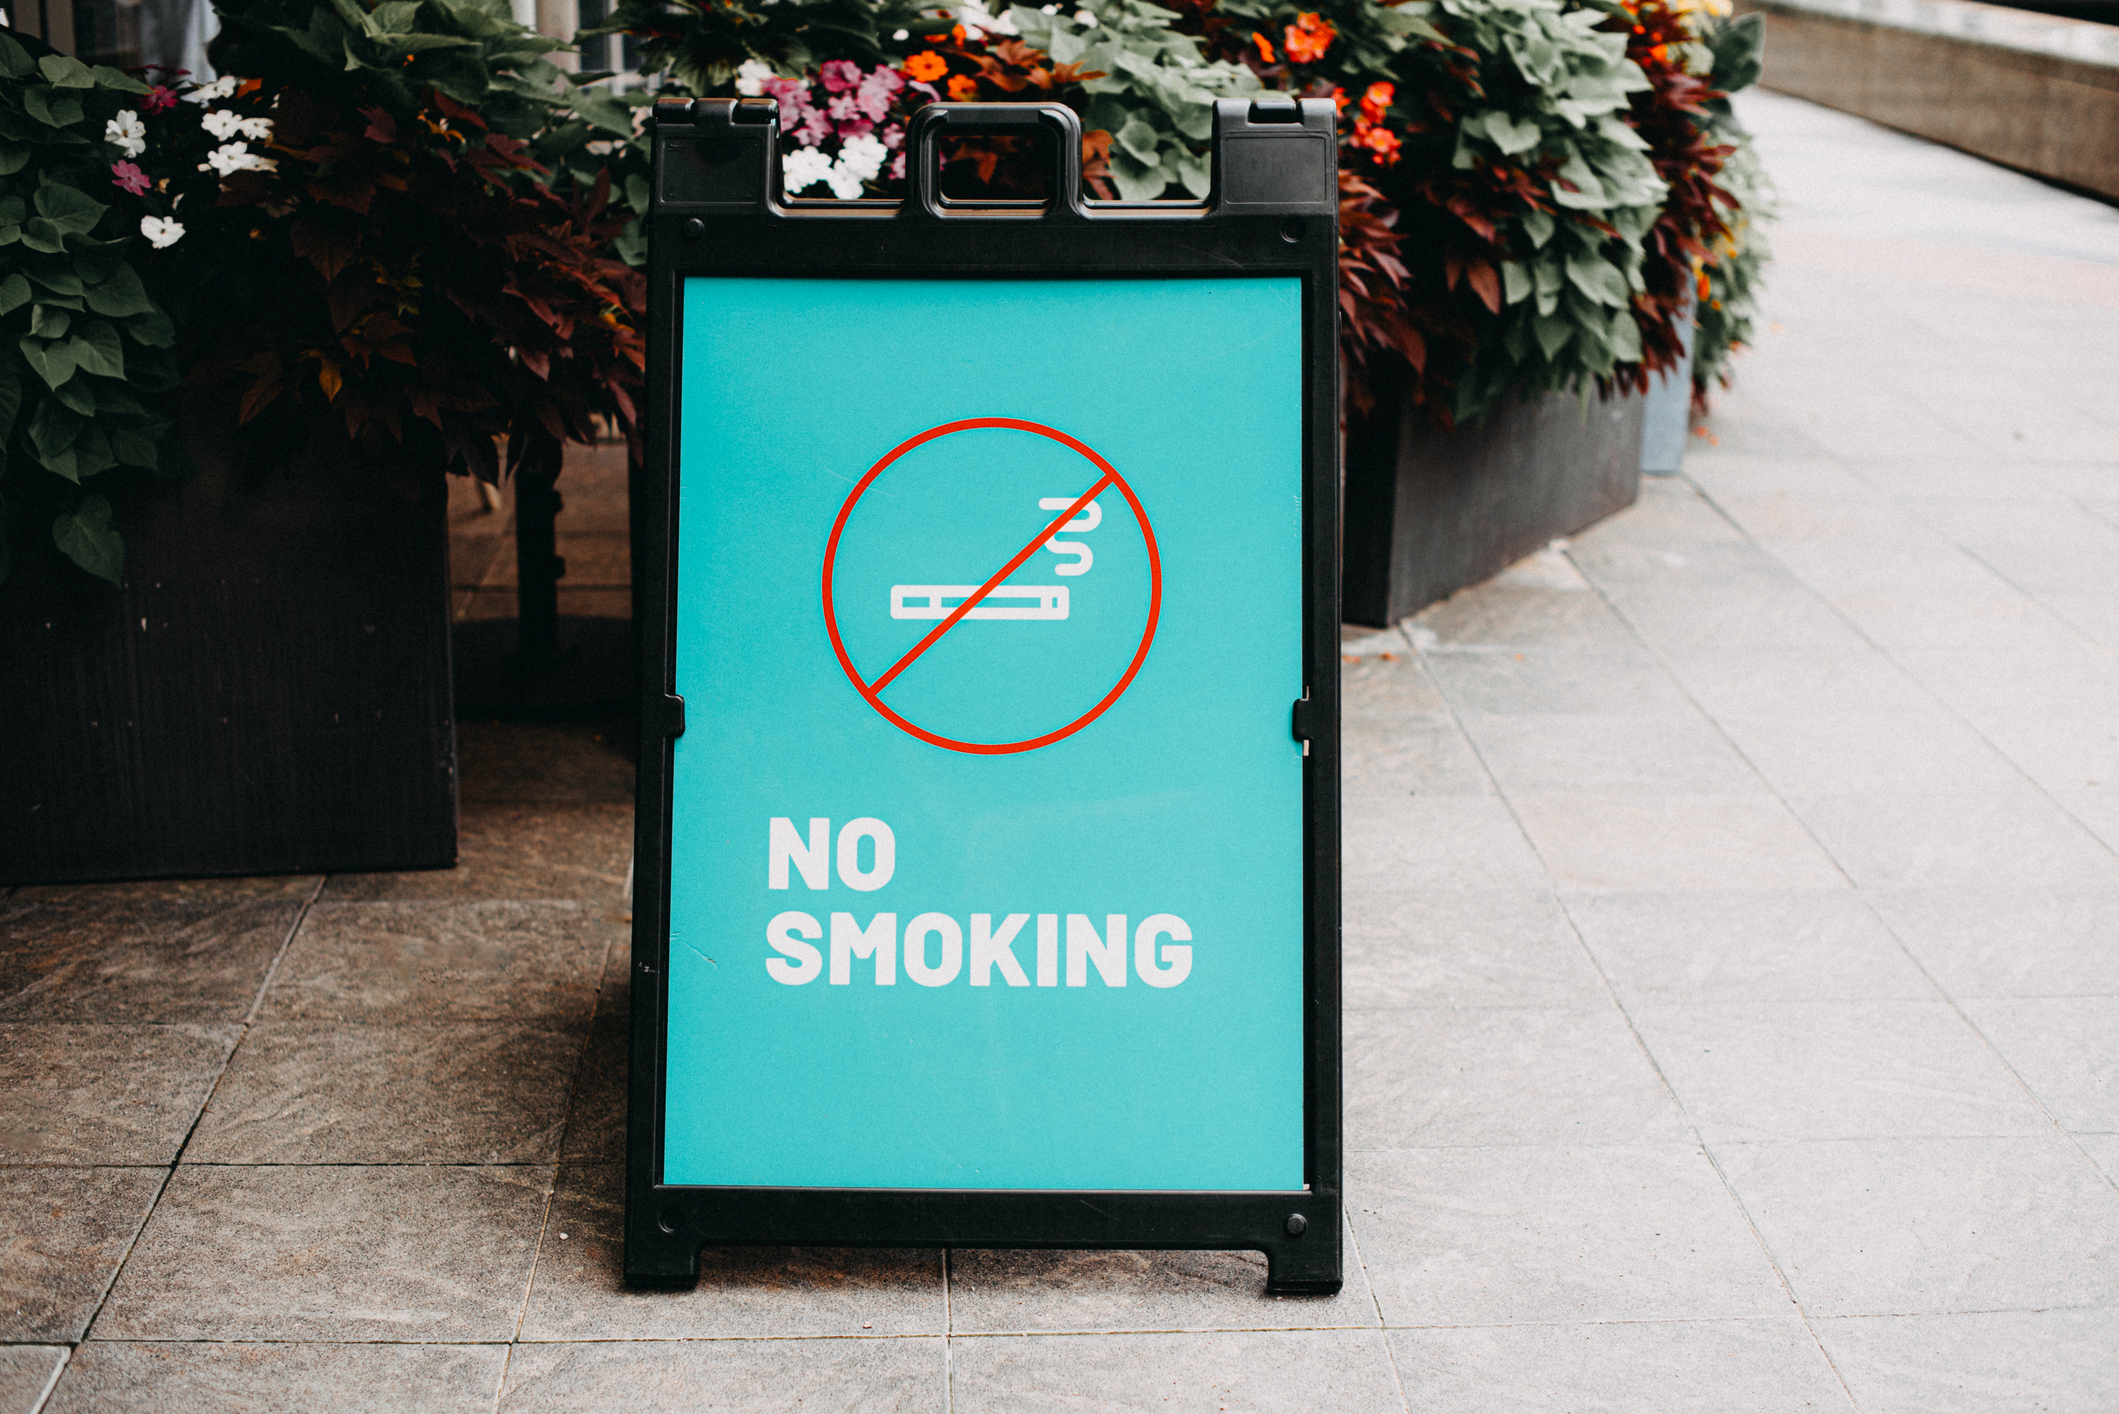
53	109
107	77
96	350
132	449
1599	279
62	280
64	72
76	396
47	322
42	235
14	59
10	400
52	360
13	158
52	434
70	210
14	293
152	329
88	539
120	294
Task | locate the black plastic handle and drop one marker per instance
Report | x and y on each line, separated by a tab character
923	164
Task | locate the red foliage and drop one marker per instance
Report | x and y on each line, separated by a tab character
430	288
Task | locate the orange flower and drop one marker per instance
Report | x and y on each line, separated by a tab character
1308	38
1338	100
1377	101
926	67
1377	139
963	88
1265	48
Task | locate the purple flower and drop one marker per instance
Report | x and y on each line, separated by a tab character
839	75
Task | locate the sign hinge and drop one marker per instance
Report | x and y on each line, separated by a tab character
672	723
1302	721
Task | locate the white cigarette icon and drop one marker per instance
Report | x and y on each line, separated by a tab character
939	601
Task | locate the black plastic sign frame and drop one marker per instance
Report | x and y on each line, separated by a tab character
717	211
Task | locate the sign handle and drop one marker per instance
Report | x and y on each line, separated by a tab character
923	167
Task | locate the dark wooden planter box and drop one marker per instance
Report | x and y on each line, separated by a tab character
268	693
1428	511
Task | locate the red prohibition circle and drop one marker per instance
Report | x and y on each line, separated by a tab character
873	695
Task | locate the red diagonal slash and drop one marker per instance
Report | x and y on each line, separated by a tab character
956	615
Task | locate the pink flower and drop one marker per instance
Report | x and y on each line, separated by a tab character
877	90
158	98
894	136
839	75
129	177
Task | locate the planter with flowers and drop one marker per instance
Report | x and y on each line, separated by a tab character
264	316
1531	190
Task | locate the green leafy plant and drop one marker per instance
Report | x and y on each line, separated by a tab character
85	351
1732	274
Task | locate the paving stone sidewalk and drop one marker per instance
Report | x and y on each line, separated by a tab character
1732	973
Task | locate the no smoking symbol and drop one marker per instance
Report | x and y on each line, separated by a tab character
992	586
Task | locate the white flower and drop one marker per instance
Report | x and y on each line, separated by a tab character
222	123
257	129
235	157
161	231
901	34
751	75
977	20
1085	19
221	87
804	168
126	133
859	161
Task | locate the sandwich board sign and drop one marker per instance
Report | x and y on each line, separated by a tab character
988	829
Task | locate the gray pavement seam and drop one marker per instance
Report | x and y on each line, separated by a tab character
1390	1356
294	927
51	1383
1779	1272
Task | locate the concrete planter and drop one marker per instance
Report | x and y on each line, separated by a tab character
1428	511
268	692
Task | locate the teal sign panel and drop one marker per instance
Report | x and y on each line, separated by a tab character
987	849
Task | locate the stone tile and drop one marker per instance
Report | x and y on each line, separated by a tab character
1762	613
1266	1371
1745	945
64	1231
331	1092
1422	756
1908	617
2095	616
1553	614
536	964
1722	475
727	1376
26	1371
1550	682
544	762
579	1292
280	1379
1999	688
1447	842
2013	837
104	1094
81	956
1927	753
2063	754
1622	755
1475	947
1388	686
518	852
1990	1362
2009	942
1980	479
2051	544
412	1253
1903	1226
1833	1070
1488	1236
1015	1292
1629	1367
2067	1051
1806	683
2103	1150
1673	842
1497	1076
595	1128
